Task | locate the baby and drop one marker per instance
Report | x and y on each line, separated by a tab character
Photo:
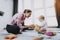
42	27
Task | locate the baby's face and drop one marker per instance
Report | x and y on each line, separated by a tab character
41	20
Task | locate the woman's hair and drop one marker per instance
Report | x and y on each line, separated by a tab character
27	10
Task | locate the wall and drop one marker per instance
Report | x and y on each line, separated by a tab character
39	7
7	7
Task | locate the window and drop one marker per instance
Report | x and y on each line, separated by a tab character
49	3
27	4
38	4
20	6
40	7
50	12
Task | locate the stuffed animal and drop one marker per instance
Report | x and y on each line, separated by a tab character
50	33
37	28
37	38
10	36
34	27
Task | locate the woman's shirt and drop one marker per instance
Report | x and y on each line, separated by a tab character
18	19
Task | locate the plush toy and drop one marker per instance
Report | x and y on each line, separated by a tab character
50	33
37	38
10	36
32	26
37	28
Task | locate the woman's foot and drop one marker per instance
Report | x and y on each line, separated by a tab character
20	33
17	33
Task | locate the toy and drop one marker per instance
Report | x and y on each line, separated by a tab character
37	28
50	33
37	38
10	36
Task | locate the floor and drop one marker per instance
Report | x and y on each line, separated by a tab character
29	35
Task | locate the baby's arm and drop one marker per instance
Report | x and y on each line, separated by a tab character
44	25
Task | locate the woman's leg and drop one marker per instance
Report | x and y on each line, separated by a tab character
12	29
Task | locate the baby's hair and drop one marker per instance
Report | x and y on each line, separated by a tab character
27	10
41	17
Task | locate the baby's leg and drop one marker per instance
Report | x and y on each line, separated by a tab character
42	30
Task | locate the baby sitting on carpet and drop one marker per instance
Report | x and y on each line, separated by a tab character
42	27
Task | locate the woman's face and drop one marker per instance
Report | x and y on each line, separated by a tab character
28	14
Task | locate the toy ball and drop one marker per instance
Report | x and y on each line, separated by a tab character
37	38
49	34
10	36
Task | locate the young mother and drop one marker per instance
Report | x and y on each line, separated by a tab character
16	24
